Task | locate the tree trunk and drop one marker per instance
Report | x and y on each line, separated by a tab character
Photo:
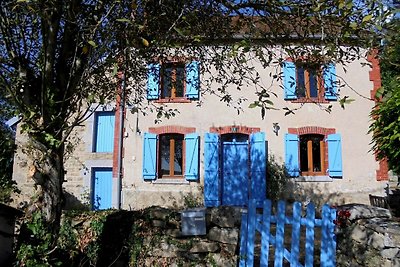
47	171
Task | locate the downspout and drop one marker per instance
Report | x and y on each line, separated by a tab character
120	139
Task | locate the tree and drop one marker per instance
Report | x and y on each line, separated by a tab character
58	58
386	114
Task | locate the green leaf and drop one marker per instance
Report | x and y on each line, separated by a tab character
367	18
123	20
254	105
92	43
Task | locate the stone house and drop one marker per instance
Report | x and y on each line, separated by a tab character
210	152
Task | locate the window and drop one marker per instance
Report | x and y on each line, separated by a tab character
172	85
305	155
171	155
173	81
104	124
312	155
309	83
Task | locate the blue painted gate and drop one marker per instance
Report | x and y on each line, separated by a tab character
235	173
102	188
302	238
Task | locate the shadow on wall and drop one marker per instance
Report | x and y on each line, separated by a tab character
281	186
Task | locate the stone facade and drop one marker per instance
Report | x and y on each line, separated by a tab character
362	174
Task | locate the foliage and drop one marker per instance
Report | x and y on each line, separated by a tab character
386	115
342	219
7	148
278	179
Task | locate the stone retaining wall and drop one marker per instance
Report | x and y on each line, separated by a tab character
372	238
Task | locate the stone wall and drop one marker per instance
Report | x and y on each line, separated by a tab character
218	247
371	238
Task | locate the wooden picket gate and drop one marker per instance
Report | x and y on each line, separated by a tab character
301	227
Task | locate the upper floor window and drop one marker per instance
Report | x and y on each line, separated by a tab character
309	83
173	81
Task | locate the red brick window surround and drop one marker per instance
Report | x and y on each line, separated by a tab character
312	140
172	129
375	77
234	129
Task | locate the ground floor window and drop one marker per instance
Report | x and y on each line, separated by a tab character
312	155
171	155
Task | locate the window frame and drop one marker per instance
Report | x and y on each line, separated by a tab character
171	174
308	71
310	161
173	80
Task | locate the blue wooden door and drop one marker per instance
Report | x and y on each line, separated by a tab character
102	188
235	173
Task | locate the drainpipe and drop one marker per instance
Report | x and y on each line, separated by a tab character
121	139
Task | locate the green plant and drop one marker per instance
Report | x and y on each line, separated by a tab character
192	201
277	178
37	247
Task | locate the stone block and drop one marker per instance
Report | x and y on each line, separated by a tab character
376	240
204	246
224	235
226	216
362	211
389	253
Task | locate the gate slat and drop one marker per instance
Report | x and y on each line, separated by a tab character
280	234
326	244
251	231
310	224
243	241
295	246
265	233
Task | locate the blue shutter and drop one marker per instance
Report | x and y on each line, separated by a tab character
329	74
292	154
334	155
212	183
192	157
153	81
258	166
102	188
289	80
104	132
149	156
192	80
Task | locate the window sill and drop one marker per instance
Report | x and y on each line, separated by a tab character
311	100
171	181
313	179
173	100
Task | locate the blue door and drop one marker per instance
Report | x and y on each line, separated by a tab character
235	171
102	188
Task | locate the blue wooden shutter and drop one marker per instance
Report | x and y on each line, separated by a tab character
104	131
292	154
192	157
149	156
289	80
258	166
329	74
212	183
102	188
334	155
153	81
192	80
